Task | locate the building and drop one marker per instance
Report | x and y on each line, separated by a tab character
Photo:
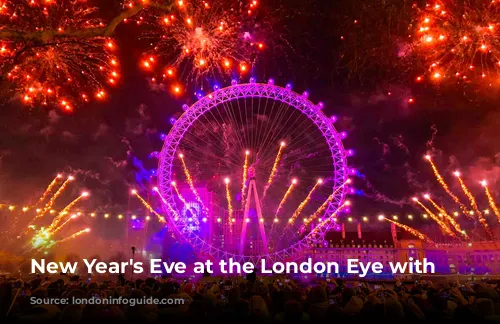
479	258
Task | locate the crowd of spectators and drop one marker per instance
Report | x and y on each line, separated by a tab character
266	300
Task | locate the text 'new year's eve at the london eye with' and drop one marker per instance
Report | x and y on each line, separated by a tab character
158	266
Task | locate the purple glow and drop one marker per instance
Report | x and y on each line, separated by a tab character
321	105
352	191
163	136
199	95
288	86
234	82
252	80
353	171
154	154
343	135
185	107
271	81
347	210
337	227
333	119
350	152
190	219
216	87
204	219
172	120
305	94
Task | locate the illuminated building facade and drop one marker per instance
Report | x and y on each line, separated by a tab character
478	258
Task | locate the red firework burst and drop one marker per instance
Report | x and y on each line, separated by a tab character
460	40
54	53
202	39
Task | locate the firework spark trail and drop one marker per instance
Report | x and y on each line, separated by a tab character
285	197
443	225
66	210
193	212
245	175
322	208
274	169
304	203
55	196
72	236
473	204
229	203
447	216
331	217
57	229
491	201
149	207
190	181
49	189
445	185
325	204
411	230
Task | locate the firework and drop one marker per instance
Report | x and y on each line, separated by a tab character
304	202
190	181
49	189
410	230
66	209
473	203
41	239
193	212
57	229
443	225
445	185
331	217
285	197
245	175
200	38
59	191
325	204
460	40
55	52
491	201
443	212
72	236
228	198
149	207
274	169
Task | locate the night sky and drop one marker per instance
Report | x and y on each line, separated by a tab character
458	124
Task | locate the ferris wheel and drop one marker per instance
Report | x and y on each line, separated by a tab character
253	171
